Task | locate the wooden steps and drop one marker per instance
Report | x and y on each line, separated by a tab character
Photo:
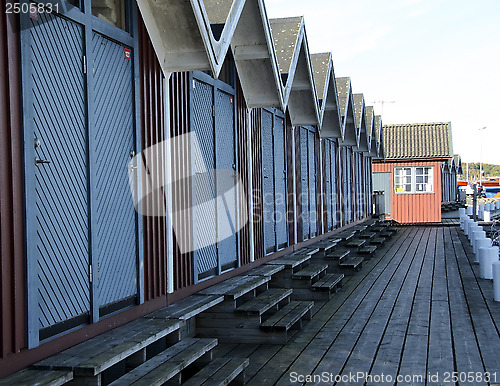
169	363
266	270
291	261
311	271
378	240
265	301
88	360
339	254
290	316
356	243
354	263
329	284
38	377
220	371
325	246
305	251
368	235
187	308
368	250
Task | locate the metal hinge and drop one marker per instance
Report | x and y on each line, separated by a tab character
90	273
84	61
213	110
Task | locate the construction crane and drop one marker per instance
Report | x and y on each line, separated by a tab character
382	103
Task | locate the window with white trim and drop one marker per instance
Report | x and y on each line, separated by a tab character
414	180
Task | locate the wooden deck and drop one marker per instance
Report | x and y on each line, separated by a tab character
418	308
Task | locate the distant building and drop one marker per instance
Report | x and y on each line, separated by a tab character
419	171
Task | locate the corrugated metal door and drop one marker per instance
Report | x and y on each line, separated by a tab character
114	146
334	168
280	182
304	198
382	182
313	211
225	161
60	137
268	191
350	185
345	184
328	184
215	196
204	212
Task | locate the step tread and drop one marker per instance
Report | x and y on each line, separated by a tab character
38	377
288	315
168	363
220	371
352	262
266	270
311	271
368	249
305	251
290	261
378	240
326	245
339	253
356	243
236	286
95	355
264	301
329	281
368	235
188	307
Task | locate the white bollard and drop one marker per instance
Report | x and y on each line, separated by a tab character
487	207
487	216
487	256
461	211
463	218
497	205
469	228
469	211
476	235
496	281
481	243
480	212
472	228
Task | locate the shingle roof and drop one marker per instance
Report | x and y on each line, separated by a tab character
418	140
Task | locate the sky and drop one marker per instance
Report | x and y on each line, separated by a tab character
437	60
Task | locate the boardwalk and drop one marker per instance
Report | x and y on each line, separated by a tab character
417	311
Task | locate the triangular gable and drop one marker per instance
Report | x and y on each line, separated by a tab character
379	138
360	121
255	57
344	91
445	166
458	162
324	79
299	91
192	35
370	121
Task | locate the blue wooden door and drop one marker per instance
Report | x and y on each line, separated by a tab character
113	135
328	184
313	206
60	238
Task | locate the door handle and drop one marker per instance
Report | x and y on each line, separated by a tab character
41	161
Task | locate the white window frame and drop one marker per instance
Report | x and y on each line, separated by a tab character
405	180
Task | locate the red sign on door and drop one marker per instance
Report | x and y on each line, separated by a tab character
127	53
231	100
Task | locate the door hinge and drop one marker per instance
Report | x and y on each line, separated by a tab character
213	111
84	61
90	273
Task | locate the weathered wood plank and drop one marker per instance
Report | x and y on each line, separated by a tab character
37	377
188	307
265	301
220	371
311	271
290	261
266	270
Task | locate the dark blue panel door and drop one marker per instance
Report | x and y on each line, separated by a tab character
203	162
59	136
225	163
113	136
268	190
313	207
304	176
280	182
335	192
